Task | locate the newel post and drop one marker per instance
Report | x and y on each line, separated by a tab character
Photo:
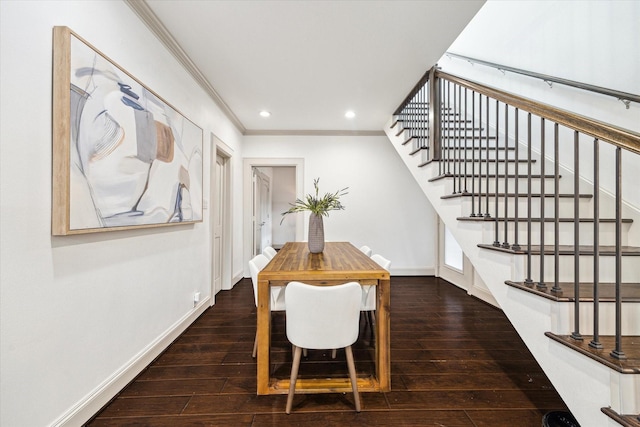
435	112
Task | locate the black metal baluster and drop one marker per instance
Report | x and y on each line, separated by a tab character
486	160
617	352
496	241
448	129
576	237
505	221
528	280
541	285
516	245
595	342
556	289
453	129
479	214
441	142
466	142
473	153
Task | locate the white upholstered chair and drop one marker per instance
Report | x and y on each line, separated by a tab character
269	252
366	250
369	292
322	317
256	264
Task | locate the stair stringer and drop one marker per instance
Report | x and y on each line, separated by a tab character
584	384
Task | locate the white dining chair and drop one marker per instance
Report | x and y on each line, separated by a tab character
369	292
366	250
256	264
322	317
269	252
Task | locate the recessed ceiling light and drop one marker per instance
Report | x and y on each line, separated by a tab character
349	114
265	113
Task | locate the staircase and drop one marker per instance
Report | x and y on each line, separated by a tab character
558	250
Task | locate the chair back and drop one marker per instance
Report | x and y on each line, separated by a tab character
366	250
381	261
269	252
322	317
256	264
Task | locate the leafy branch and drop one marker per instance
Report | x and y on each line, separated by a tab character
316	204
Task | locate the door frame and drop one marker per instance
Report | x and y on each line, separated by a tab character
247	177
224	151
461	278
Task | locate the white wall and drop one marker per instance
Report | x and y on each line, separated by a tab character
594	42
77	312
385	208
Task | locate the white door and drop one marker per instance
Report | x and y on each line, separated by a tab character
219	203
261	211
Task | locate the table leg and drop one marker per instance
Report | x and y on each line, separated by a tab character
263	328
383	342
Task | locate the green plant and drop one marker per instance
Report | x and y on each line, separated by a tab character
316	204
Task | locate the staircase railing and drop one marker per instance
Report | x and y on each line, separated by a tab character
507	154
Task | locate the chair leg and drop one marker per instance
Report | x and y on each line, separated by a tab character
334	352
255	347
294	376
352	375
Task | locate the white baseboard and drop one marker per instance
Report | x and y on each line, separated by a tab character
236	278
413	271
82	411
484	295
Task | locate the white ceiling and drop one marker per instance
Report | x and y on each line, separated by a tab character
307	62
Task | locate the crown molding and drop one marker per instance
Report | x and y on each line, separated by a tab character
142	9
285	132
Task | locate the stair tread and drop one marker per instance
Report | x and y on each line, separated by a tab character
605	250
548	219
630	346
523	195
439	177
630	292
484	160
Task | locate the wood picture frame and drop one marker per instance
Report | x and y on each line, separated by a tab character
123	158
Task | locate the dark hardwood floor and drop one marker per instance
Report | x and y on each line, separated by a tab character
455	361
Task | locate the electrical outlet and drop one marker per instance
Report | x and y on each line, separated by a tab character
196	298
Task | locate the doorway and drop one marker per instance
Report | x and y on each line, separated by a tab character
253	217
261	221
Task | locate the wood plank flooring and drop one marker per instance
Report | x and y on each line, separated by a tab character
455	361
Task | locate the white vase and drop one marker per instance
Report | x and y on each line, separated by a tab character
316	234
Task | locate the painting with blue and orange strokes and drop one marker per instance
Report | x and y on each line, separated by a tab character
134	160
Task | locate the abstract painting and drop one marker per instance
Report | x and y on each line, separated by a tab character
122	156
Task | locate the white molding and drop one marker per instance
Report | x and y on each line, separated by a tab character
146	15
87	407
413	271
287	132
237	277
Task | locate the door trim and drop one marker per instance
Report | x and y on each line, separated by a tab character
222	149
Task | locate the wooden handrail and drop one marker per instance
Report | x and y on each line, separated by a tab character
424	79
624	138
622	96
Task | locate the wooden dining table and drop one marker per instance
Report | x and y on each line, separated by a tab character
340	262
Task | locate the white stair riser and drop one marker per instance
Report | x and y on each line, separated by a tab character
607	273
606	235
565	207
565	324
